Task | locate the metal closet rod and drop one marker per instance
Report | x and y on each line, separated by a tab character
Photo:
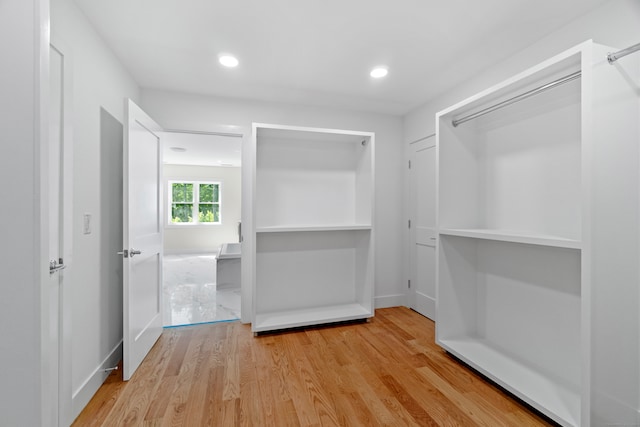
613	57
558	82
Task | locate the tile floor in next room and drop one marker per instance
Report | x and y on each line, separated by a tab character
190	294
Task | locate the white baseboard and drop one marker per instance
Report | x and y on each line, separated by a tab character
425	305
386	301
83	394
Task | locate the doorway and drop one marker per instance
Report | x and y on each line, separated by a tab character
202	182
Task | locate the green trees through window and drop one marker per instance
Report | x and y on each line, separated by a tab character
181	202
209	203
195	202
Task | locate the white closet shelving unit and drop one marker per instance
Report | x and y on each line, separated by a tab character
531	240
313	233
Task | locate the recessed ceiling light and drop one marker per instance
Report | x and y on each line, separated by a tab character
379	72
178	149
228	61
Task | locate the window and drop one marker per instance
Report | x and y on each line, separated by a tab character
192	202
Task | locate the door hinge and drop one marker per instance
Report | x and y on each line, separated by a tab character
409	223
409	283
409	164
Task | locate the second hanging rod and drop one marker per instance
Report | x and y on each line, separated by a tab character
506	102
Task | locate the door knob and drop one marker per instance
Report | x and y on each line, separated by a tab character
133	252
129	253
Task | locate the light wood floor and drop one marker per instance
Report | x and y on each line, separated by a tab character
385	372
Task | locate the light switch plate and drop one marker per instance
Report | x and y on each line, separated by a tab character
86	226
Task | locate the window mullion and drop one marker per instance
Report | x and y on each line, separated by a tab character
196	198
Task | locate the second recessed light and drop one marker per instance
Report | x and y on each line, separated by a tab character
228	61
379	72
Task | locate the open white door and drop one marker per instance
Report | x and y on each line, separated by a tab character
60	207
142	241
422	178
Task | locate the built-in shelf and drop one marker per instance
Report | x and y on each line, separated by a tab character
313	230
309	316
295	228
537	244
511	236
550	396
515	237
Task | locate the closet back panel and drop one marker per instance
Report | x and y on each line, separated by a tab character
310	182
310	269
530	166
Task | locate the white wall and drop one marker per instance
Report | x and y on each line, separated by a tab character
24	398
180	239
184	111
100	85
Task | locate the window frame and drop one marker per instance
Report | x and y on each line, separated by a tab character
196	202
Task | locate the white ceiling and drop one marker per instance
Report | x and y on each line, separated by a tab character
320	52
201	149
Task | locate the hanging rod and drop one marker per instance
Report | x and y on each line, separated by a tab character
562	80
613	57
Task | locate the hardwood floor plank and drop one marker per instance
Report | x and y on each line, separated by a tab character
386	372
187	374
416	410
253	408
372	367
479	413
231	361
390	412
160	403
178	354
341	392
230	413
296	387
316	389
214	409
197	398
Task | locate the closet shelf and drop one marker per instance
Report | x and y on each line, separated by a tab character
548	395
309	316
513	236
295	228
